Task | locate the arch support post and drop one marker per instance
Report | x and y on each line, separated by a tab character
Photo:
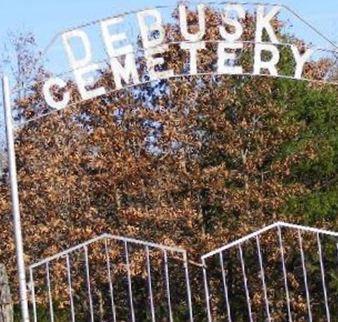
15	199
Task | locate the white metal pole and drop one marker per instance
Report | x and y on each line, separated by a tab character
15	199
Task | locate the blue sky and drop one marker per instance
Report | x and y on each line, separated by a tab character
47	17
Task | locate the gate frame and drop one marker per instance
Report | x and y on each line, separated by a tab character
278	225
148	246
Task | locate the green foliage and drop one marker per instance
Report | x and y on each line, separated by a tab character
232	154
317	110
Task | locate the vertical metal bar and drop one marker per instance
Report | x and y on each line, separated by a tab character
33	294
167	282
129	282
69	278
88	285
245	279
263	278
110	280
15	199
322	270
152	309
225	286
281	247
308	302
206	288
187	279
51	309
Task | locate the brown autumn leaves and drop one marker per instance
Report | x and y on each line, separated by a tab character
189	162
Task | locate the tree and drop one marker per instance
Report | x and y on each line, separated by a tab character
193	162
318	173
6	305
23	60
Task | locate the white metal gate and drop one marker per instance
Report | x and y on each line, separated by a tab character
283	272
112	278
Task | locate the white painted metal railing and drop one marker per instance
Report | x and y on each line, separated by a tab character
283	272
243	264
86	274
